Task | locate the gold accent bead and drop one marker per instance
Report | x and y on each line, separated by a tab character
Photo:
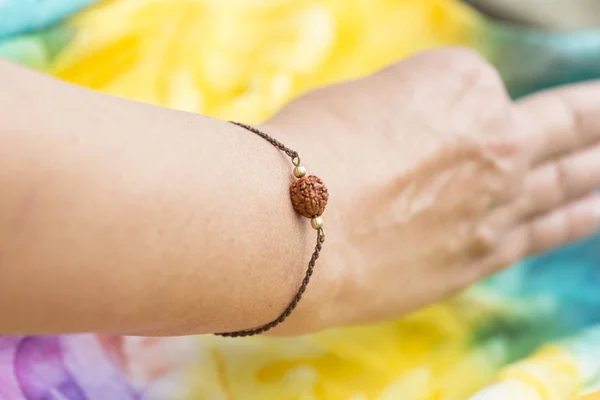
316	222
299	171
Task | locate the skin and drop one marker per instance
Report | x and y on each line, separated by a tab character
126	218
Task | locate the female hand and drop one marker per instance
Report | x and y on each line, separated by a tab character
437	179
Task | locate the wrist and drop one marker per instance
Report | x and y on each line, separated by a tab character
321	305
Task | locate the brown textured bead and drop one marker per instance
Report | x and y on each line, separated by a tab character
309	196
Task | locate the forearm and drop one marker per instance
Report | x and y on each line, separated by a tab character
118	216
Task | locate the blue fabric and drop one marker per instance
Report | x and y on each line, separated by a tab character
20	16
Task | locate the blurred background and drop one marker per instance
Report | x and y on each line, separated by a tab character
546	14
245	58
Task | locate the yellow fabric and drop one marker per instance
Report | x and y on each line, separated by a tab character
245	59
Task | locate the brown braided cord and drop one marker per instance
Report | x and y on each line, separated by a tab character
292	153
286	313
311	264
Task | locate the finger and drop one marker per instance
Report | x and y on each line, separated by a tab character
546	188
556	183
561	227
563	120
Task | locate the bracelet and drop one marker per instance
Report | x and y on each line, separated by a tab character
309	197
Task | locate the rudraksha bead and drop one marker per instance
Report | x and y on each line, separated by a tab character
309	196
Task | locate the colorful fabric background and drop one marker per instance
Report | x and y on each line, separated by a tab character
530	333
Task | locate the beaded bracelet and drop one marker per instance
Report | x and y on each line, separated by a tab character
309	198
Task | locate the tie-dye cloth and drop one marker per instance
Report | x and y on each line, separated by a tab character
529	333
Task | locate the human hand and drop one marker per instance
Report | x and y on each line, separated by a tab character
437	179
